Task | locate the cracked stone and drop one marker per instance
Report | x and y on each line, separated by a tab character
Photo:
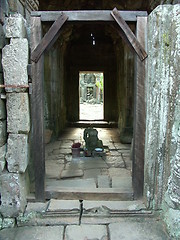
98	232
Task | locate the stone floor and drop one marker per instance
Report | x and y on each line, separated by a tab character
135	228
111	169
100	220
86	220
126	229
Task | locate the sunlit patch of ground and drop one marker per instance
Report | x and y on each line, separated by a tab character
91	111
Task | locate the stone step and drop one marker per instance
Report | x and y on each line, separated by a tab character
57	192
62	206
98	124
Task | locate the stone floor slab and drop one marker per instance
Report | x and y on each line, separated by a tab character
53	169
87	163
36	207
119	172
103	181
62	151
71	173
86	232
90	163
115	205
33	233
63	205
134	230
73	183
122	182
115	161
92	173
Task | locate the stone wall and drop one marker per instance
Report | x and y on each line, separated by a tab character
162	179
154	3
14	106
14	62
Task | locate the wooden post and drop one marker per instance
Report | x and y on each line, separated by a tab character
37	109
1	13
139	113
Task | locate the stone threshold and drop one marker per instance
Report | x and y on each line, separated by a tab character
96	123
89	194
55	207
56	212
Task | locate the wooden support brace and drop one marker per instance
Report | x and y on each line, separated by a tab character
49	38
129	36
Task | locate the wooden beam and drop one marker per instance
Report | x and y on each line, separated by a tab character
49	38
1	13
88	194
37	113
129	35
92	15
139	112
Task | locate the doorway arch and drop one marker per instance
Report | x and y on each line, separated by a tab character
38	47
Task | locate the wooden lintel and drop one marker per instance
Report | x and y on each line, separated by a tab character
129	36
49	38
91	15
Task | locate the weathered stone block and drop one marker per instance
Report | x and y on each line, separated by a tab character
3	133
162	97
2	157
17	153
8	223
13	194
2	110
15	26
172	219
18	113
86	232
15	61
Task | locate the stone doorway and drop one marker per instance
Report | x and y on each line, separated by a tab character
91	96
38	100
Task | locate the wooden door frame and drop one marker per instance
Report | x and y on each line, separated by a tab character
40	44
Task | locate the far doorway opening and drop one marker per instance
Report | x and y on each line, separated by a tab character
91	95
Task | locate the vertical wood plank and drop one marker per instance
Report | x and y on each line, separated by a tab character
139	112
1	13
37	112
